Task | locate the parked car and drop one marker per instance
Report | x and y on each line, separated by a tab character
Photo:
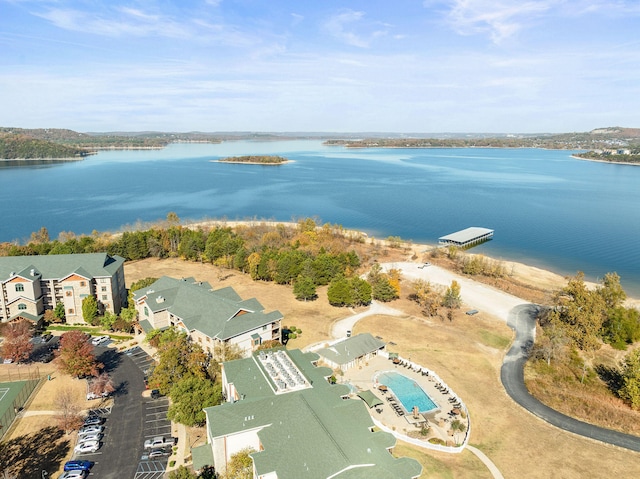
87	446
93	421
156	453
155	393
97	340
96	436
7	361
77	465
46	337
159	441
46	357
91	396
90	430
74	474
471	312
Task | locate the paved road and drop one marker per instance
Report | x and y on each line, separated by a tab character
522	320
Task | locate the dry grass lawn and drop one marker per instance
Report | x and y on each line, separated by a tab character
467	353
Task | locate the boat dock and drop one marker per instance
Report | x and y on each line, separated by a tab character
467	237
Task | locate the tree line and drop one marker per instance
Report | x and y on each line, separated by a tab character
580	321
305	256
23	147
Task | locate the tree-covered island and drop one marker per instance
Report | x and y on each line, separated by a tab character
256	160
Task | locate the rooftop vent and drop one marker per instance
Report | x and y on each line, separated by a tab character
160	299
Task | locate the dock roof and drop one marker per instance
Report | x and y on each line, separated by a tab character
466	235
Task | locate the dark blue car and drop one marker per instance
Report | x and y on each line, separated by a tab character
78	465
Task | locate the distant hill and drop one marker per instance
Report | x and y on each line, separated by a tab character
13	147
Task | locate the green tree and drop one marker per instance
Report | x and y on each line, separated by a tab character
89	309
581	312
360	291
58	311
622	327
189	397
240	466
108	319
339	292
452	298
630	373
182	472
304	289
611	291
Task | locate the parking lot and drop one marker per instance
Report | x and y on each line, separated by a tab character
155	422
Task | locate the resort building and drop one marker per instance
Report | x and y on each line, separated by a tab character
33	284
351	352
298	425
212	318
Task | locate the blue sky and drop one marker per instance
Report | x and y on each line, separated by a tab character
326	65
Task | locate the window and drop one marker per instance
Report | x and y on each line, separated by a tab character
70	311
104	297
264	328
146	311
83	284
68	293
256	342
22	306
103	289
19	287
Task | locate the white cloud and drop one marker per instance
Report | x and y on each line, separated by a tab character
500	19
343	26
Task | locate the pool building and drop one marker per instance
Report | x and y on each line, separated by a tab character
282	406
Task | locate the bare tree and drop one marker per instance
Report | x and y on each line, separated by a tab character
102	385
68	417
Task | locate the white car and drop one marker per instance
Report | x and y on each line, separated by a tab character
99	340
90	430
87	446
73	475
159	442
91	437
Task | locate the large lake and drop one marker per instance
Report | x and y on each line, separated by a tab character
547	209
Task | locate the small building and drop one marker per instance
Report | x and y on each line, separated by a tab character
30	285
467	237
351	352
311	430
211	318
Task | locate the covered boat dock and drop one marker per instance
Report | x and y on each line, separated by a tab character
467	237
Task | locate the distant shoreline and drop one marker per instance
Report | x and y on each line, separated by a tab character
606	161
252	162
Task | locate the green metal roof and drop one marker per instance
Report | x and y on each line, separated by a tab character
370	398
56	266
201	456
312	432
351	348
212	312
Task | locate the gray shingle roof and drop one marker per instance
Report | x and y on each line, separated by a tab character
56	266
351	348
212	312
312	432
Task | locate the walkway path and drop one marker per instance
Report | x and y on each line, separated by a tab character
495	472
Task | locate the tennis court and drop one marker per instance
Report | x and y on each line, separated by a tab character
13	396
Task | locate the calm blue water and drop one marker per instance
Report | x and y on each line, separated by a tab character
547	209
408	392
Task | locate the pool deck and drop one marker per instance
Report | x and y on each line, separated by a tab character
439	420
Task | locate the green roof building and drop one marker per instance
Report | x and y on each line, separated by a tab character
281	405
212	318
33	284
351	352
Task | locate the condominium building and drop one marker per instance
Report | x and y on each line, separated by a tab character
32	284
212	318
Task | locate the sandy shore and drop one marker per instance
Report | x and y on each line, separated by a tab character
605	161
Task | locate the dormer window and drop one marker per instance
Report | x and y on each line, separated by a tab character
19	287
22	306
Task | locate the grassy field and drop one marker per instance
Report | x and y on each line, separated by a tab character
466	352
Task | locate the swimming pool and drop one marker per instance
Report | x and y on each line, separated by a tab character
408	392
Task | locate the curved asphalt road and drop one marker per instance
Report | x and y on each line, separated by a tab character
522	320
